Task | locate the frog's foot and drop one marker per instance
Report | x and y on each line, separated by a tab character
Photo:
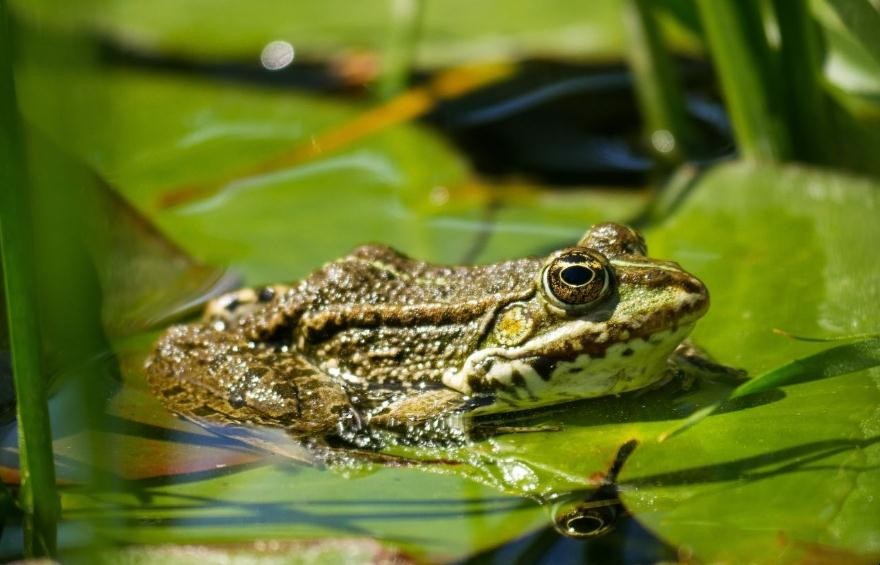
669	375
484	430
494	424
529	429
690	363
347	459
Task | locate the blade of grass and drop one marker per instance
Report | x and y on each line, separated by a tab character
832	362
742	59
39	499
406	27
862	19
659	92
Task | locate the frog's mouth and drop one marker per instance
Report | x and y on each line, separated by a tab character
518	380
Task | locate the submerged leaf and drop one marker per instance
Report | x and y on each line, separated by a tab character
404	187
264	552
147	280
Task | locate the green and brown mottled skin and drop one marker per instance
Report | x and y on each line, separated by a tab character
379	340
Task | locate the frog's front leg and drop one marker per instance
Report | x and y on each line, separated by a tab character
690	363
413	410
444	413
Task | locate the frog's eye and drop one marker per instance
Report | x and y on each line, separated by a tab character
575	278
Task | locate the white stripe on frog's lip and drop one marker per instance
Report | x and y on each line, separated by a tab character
458	378
626	366
485	364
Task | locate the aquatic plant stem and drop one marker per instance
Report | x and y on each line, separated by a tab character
801	62
38	496
659	93
397	62
743	60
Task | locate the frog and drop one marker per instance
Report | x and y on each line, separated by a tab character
376	342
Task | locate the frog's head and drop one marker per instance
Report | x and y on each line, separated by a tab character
604	319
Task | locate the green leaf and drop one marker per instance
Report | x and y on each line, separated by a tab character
151	134
37	497
782	474
453	31
741	53
862	19
831	362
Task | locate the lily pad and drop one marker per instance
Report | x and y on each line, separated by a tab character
797	253
791	475
150	135
160	134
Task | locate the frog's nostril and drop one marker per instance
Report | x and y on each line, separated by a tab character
693	286
699	297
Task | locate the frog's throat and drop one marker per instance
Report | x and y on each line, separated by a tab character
532	375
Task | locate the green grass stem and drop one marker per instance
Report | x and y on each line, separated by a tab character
801	59
659	92
400	52
38	497
743	61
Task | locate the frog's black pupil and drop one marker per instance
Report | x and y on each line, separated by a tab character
576	275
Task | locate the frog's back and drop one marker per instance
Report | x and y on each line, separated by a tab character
384	318
379	275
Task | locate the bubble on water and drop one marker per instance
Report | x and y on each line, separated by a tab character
663	141
276	55
439	195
